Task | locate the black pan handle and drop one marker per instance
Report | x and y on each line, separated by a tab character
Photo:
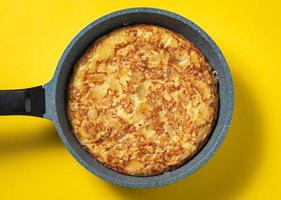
30	101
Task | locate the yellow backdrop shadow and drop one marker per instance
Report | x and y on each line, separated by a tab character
29	140
230	170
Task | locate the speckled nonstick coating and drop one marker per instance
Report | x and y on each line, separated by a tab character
55	92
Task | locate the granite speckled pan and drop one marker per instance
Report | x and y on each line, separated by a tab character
49	100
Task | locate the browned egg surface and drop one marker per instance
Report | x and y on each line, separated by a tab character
142	100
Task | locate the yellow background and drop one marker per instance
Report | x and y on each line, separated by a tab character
34	163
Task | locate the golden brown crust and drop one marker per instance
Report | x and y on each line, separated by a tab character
142	100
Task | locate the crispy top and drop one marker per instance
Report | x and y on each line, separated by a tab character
142	100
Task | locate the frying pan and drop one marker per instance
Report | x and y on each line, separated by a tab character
49	101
